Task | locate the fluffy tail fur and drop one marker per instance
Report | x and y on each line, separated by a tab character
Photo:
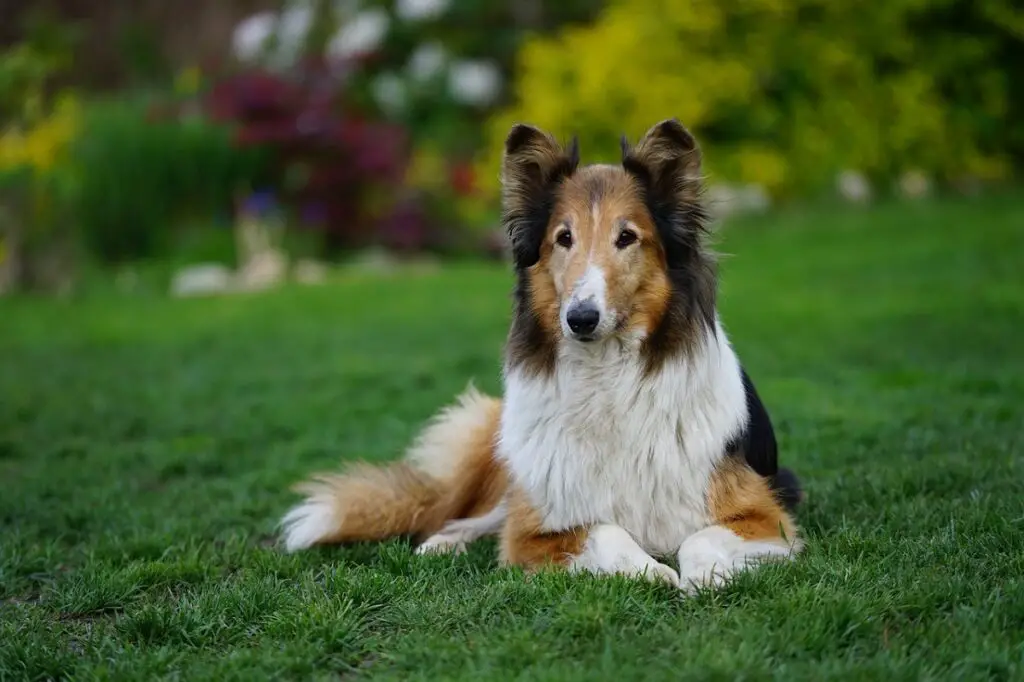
449	472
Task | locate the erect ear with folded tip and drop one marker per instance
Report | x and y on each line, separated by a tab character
533	165
667	164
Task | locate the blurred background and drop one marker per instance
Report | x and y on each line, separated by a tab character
195	147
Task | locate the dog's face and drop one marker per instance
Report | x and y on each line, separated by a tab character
604	248
600	267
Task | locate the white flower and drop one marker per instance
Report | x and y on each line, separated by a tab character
360	35
726	200
390	92
345	8
293	28
754	198
251	35
474	82
914	184
290	29
853	186
416	10
426	62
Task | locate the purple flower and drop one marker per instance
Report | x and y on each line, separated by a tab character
313	213
259	203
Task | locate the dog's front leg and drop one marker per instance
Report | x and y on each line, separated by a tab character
748	525
598	548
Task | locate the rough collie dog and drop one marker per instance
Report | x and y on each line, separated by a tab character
629	433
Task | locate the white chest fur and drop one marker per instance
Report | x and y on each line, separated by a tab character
598	442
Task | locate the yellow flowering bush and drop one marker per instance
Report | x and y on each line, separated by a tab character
33	182
783	93
36	132
34	179
39	146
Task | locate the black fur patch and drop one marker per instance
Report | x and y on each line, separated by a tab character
758	446
529	345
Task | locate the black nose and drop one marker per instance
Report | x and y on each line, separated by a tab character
583	319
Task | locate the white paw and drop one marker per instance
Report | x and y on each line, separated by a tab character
709	558
442	544
709	575
611	550
656	572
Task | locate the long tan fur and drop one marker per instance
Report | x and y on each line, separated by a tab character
448	473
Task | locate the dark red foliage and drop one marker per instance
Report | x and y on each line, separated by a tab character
407	228
344	157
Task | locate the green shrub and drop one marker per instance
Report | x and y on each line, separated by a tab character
140	174
786	93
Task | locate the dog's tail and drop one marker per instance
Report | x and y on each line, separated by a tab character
449	472
787	488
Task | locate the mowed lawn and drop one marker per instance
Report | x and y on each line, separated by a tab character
147	447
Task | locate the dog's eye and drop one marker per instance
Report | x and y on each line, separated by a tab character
625	238
564	239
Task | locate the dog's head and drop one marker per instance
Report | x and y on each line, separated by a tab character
607	251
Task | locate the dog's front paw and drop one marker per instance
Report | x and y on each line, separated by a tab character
656	571
610	550
710	557
696	575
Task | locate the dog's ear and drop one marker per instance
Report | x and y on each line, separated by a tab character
667	164
668	159
533	165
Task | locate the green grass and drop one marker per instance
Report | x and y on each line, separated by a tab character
147	447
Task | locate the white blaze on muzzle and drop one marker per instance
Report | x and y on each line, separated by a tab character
589	297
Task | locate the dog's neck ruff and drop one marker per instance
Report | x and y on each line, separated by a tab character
600	439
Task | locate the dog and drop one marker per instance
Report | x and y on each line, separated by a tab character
628	431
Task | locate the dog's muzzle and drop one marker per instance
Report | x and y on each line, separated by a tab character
583	318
